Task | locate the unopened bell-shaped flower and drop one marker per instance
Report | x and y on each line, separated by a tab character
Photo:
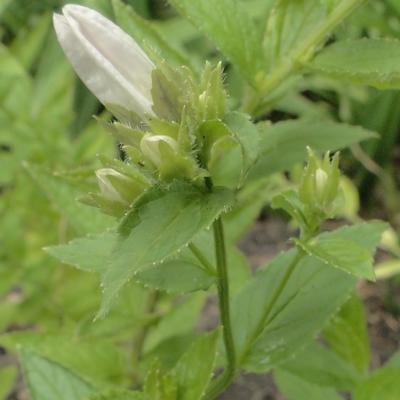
118	190
163	153
151	146
108	60
320	182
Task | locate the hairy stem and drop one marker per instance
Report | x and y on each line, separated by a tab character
224	306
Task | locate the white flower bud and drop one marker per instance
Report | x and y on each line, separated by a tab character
107	189
321	179
108	60
150	147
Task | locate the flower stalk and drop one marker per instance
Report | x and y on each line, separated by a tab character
229	373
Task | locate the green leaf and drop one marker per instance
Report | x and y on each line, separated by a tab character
156	230
321	366
194	370
343	252
383	384
63	196
373	62
347	334
146	35
119	395
250	201
92	252
281	309
178	321
88	253
284	144
247	134
365	234
48	380
8	376
239	268
394	361
290	25
329	4
159	385
175	276
289	201
231	29
97	361
295	388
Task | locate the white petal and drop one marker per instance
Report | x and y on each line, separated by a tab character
108	60
321	179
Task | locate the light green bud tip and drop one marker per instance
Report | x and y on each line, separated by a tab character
117	190
151	146
320	181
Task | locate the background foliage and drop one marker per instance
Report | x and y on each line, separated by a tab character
49	144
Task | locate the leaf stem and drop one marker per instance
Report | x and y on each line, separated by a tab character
227	376
205	264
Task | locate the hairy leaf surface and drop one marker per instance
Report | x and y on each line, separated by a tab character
48	380
341	250
321	366
155	230
232	30
373	62
194	370
295	388
283	308
347	334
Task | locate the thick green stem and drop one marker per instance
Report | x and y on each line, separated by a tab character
224	306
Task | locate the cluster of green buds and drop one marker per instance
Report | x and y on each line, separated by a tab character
317	198
171	124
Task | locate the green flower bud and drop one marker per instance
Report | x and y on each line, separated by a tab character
107	189
117	186
117	190
320	182
212	99
162	153
221	153
152	146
